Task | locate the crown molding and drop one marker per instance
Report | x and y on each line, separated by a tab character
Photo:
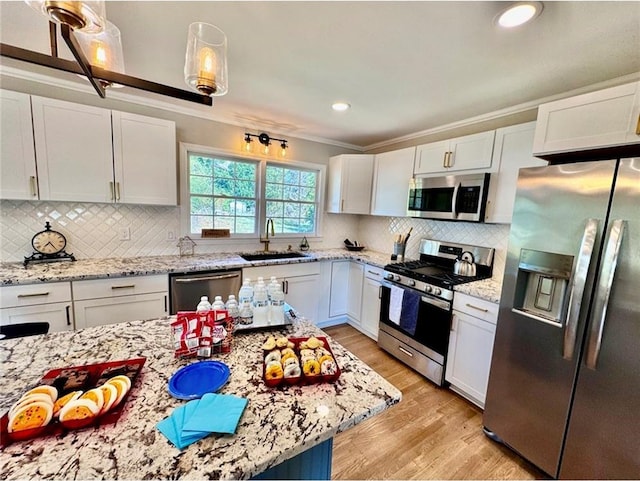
516	109
199	111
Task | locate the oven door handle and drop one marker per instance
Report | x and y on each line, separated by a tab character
444	305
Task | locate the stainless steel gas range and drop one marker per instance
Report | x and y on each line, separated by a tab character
417	299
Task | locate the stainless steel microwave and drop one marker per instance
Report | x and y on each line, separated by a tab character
452	197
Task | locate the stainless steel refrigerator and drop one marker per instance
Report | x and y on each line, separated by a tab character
564	387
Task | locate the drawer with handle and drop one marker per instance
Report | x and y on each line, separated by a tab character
119	286
34	294
476	307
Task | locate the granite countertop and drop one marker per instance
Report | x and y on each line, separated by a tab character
276	425
14	273
488	289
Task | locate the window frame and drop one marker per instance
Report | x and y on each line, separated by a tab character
261	167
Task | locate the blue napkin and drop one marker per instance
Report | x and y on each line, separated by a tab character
213	413
409	314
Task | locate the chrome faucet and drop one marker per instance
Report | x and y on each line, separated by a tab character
266	240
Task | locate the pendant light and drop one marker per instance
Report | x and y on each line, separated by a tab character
205	66
103	50
86	16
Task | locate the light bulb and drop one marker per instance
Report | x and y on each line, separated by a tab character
99	55
248	144
265	151
207	70
519	14
283	149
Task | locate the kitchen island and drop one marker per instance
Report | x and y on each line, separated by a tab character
280	430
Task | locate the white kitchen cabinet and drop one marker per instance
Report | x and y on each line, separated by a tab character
471	338
73	151
349	184
392	173
46	302
469	153
511	152
108	301
144	157
354	300
300	283
18	178
370	313
606	118
339	288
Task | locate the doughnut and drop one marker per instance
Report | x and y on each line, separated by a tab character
269	344
292	370
321	351
304	359
274	372
282	342
307	352
273	363
325	358
314	342
328	367
287	356
272	356
290	360
303	345
286	350
290	345
311	368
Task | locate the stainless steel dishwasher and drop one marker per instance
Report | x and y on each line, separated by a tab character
185	289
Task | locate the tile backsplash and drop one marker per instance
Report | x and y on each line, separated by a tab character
94	231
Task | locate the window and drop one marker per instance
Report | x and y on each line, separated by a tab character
240	194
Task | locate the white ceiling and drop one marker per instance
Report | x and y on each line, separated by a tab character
405	67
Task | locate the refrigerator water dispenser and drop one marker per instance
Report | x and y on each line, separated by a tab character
541	286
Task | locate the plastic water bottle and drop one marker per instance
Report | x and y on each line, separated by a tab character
203	305
276	309
260	303
273	285
233	308
245	298
218	304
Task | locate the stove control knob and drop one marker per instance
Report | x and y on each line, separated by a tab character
388	276
397	278
428	289
411	282
437	291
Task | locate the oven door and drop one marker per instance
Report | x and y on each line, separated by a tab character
425	349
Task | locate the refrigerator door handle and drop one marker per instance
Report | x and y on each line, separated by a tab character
577	288
603	292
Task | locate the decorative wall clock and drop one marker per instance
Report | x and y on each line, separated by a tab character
49	246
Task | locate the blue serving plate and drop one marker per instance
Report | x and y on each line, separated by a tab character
197	379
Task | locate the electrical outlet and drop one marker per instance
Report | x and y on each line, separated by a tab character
125	234
171	235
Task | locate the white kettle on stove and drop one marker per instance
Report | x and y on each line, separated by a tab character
465	265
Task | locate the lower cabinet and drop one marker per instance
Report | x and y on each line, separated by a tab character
48	302
354	299
300	284
473	329
109	301
370	313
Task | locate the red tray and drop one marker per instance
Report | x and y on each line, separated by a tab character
68	379
302	379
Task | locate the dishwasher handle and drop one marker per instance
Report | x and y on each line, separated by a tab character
187	280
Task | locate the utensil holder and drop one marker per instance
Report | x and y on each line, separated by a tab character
398	250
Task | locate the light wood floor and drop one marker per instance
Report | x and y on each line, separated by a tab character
431	434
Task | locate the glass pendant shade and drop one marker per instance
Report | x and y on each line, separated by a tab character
104	49
87	16
205	66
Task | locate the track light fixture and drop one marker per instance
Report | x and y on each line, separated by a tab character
81	24
265	140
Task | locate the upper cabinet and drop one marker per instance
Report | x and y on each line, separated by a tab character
84	153
349	185
73	151
512	151
144	159
17	156
607	118
468	153
392	173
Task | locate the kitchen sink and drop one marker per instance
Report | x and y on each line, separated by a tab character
268	256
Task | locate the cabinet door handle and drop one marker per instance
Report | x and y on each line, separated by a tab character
444	161
477	308
638	126
112	190
380	291
342	205
37	294
32	185
165	303
117	191
68	312
374	273
454	323
128	286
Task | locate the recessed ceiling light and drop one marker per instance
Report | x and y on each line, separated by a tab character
341	106
518	14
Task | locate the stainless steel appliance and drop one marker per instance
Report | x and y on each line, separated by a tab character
453	197
185	289
564	387
416	304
